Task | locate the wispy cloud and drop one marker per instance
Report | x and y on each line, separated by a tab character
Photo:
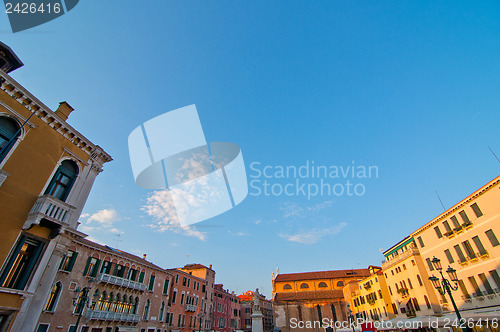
292	210
102	221
160	206
312	236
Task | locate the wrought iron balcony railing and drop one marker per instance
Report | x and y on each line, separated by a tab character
112	316
114	280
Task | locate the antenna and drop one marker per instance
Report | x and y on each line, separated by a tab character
494	154
117	240
440	201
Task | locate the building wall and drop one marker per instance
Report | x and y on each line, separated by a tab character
227	310
266	308
186	316
116	303
44	142
479	269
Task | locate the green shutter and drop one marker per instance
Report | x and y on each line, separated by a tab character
72	261
96	268
151	282
141	277
87	266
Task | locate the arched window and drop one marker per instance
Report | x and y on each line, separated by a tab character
427	302
287	286
146	310
304	285
118	303
322	285
102	301
8	133
63	180
162	310
53	297
340	284
419	280
112	303
416	305
136	305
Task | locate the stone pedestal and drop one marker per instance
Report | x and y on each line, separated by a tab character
257	324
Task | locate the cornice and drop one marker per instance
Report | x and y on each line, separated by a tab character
33	104
490	185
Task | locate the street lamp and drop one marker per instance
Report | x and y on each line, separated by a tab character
444	285
81	299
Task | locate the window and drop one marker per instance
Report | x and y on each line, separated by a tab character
119	270
22	263
184	281
486	283
106	267
491	236
165	287
464	217
53	297
427	303
189	283
182	298
304	285
463	289
449	256
479	245
42	328
496	278
162	310
477	210
63	180
420	241
141	277
461	257
438	232
8	133
340	284
174	296
146	310
468	249
428	260
322	285
92	267
477	291
151	282
176	278
409	283
68	261
447	227
455	222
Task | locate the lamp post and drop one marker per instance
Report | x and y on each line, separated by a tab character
444	285
81	299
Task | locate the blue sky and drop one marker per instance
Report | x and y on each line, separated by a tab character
408	87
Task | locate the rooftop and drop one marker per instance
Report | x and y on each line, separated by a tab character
309	295
334	274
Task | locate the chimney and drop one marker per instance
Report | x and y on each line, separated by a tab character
64	110
210	267
144	256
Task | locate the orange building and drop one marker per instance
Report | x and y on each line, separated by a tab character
311	296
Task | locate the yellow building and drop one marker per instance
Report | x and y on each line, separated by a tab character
410	290
369	298
47	169
465	237
311	297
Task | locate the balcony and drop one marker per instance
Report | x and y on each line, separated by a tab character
122	282
49	208
404	292
112	316
191	307
467	224
401	257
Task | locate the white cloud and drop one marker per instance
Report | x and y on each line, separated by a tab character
313	236
160	206
291	210
102	221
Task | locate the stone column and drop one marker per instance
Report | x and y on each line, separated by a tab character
257	324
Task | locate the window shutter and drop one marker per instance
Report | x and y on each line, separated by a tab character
87	266
72	261
141	277
96	268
